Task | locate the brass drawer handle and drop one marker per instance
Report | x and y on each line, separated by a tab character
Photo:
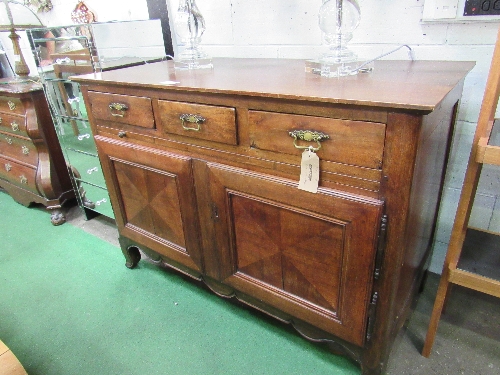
92	170
9	140
1	120
26	150
8	167
193	119
15	126
11	105
23	179
308	136
118	109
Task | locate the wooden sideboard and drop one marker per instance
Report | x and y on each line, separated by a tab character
32	167
203	176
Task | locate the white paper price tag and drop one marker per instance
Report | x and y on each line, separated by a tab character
309	171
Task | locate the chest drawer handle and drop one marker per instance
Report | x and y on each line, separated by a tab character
81	137
99	202
11	105
23	179
15	126
8	167
118	109
308	136
193	119
26	150
9	140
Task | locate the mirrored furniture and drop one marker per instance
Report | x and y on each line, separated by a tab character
62	52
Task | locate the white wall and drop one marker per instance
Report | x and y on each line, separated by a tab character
288	29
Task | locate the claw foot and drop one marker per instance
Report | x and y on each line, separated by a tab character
57	217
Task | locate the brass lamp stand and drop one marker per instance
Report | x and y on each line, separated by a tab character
20	67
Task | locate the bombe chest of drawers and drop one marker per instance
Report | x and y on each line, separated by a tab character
32	167
203	169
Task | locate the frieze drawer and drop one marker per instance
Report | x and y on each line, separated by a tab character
126	109
344	141
212	123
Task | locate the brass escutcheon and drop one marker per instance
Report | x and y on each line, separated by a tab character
15	126
118	109
26	150
308	136
9	140
23	179
11	105
193	119
8	167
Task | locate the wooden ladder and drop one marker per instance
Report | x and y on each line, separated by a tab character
482	153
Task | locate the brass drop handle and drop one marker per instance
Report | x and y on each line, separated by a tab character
118	109
23	179
15	126
308	136
8	167
11	105
193	119
122	134
25	150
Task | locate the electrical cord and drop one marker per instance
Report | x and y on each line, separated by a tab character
411	55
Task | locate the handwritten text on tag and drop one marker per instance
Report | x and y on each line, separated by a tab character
309	172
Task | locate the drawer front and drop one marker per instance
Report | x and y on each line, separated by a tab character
19	175
211	123
132	110
350	142
11	105
88	167
17	148
13	123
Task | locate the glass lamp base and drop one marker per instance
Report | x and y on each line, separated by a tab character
327	68
198	63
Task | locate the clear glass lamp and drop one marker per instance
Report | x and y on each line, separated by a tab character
14	16
337	21
189	27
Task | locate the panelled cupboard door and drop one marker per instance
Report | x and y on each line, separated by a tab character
153	199
309	255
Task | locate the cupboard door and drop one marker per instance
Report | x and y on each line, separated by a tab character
309	255
152	193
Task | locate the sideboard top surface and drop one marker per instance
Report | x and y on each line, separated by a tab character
409	85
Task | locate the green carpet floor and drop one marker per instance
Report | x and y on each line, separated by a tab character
68	305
